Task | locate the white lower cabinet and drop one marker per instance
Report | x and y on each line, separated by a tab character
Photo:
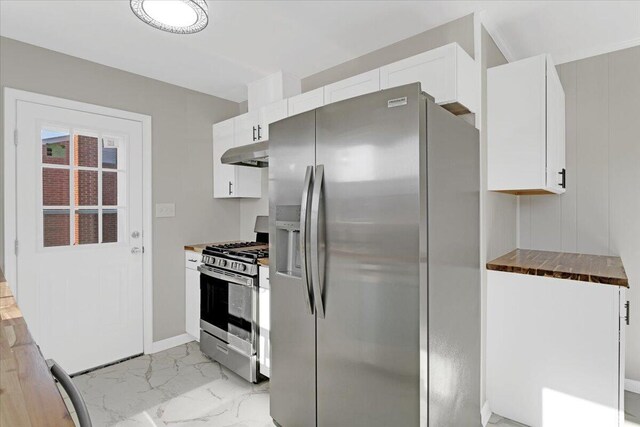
555	351
192	294
264	321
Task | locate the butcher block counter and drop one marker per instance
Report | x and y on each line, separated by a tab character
563	265
29	396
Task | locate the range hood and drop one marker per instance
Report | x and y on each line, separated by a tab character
254	155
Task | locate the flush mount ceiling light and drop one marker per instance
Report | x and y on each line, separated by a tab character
174	16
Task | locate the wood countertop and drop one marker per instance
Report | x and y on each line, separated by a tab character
29	396
563	265
197	247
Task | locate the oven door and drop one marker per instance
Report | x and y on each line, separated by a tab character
228	308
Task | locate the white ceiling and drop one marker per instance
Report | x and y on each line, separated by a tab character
246	40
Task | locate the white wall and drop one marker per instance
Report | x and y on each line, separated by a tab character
499	211
182	153
600	211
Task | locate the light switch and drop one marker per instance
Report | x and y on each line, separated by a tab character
165	210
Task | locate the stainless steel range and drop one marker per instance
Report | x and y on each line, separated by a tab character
229	330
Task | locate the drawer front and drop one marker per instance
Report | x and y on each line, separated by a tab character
192	260
218	350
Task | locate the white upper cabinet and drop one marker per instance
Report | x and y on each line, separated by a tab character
354	86
224	176
270	114
525	128
234	181
248	128
306	101
447	73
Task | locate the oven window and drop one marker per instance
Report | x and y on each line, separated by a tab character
226	305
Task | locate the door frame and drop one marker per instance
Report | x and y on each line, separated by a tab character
11	98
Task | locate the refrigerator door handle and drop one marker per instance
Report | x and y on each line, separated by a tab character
317	264
304	248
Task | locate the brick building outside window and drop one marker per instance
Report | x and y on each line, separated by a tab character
56	191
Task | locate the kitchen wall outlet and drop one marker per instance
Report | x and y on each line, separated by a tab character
165	210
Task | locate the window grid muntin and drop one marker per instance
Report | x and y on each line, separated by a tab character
72	208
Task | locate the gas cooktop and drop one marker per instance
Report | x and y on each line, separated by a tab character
226	255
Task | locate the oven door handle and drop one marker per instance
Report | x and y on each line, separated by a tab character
244	281
304	237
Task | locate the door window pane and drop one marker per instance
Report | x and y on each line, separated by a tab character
85	151
55	147
83	183
55	227
86	228
55	187
86	188
112	153
109	226
109	188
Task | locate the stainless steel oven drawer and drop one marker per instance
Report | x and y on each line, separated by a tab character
221	352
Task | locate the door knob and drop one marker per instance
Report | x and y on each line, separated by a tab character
136	250
135	234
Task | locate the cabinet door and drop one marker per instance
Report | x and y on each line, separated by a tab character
264	322
516	125
248	180
435	70
192	298
224	176
553	350
270	114
306	101
354	86
555	129
246	128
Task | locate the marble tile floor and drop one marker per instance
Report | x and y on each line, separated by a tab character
180	387
631	406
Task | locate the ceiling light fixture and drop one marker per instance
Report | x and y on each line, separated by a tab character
174	16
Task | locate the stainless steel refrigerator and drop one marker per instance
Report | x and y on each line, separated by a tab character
374	264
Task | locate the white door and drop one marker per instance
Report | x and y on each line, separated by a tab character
79	232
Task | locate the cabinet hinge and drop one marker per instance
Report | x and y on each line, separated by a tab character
627	308
15	136
16	246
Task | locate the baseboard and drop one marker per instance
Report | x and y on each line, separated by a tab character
485	414
171	342
632	385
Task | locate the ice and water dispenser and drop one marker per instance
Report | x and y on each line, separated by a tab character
288	240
